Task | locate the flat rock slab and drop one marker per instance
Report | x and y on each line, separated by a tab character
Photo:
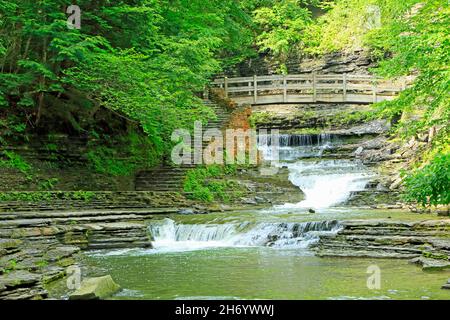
447	285
364	254
61	252
95	288
19	278
9	243
431	264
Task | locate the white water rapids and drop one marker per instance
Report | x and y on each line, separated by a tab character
324	182
170	236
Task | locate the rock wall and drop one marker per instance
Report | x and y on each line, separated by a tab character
356	62
60	200
36	248
62	159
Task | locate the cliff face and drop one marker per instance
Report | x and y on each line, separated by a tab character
356	62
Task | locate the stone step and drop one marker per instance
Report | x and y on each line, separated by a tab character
152	177
144	212
167	178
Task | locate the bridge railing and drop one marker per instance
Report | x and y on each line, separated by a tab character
309	88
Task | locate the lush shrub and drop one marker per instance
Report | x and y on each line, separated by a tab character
209	183
15	161
430	185
129	153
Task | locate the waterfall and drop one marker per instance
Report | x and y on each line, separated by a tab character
325	183
295	140
295	146
170	236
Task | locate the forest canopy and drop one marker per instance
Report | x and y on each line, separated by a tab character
147	61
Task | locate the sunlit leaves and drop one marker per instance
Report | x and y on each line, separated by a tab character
430	185
282	26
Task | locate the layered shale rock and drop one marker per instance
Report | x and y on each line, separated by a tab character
389	239
36	248
75	200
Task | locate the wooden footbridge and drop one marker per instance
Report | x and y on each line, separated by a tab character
309	88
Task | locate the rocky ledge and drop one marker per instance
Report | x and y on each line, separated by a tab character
426	243
36	248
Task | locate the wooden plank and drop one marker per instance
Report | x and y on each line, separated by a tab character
241	81
319	87
298	77
310	88
330	86
255	89
294	86
234	80
306	98
329	78
269	78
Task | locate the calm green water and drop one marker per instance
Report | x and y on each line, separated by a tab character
264	273
205	261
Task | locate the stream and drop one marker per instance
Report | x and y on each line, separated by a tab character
265	254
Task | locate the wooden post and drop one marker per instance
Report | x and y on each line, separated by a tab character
255	89
249	88
374	90
284	89
344	89
314	81
226	86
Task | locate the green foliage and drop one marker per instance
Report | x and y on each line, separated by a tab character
412	40
348	118
283	24
104	160
420	45
42	264
46	196
48	184
122	159
144	60
346	24
15	161
259	117
82	195
209	183
11	266
430	185
11	127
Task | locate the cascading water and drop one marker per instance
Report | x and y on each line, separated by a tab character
292	147
325	183
170	236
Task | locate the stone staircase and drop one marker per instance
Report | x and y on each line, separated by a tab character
170	178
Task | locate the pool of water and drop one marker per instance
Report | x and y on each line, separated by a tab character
263	273
227	256
265	254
